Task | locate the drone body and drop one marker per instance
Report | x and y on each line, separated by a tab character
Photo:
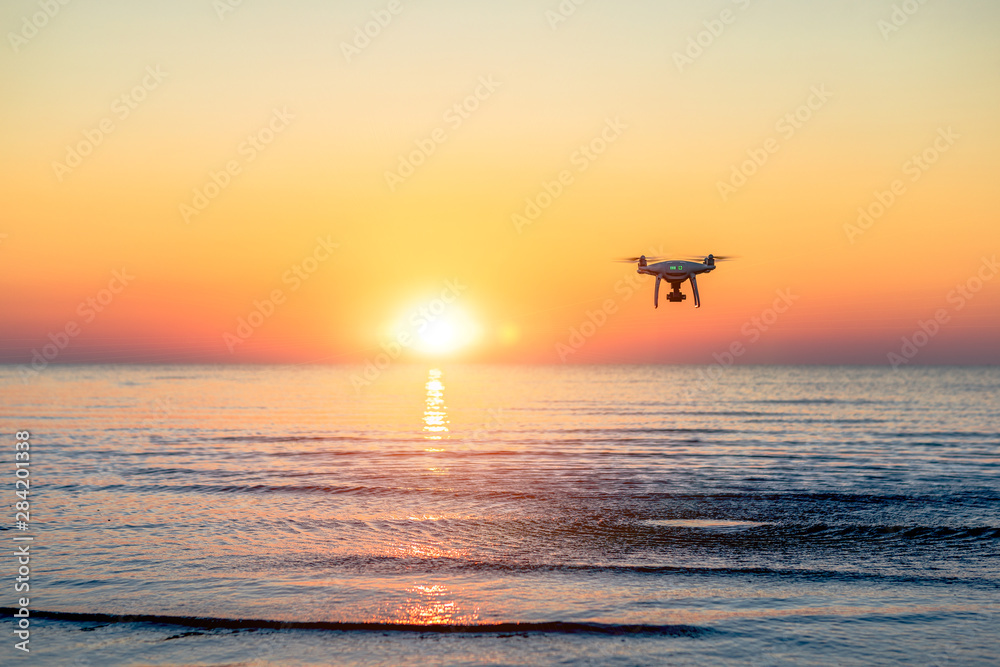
675	272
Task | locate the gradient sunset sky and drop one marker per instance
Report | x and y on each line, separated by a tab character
119	116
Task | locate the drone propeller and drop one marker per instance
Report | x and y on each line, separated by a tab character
633	260
717	258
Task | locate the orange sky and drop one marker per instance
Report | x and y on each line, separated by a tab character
268	165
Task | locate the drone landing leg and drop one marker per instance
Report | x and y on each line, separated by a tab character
694	288
656	293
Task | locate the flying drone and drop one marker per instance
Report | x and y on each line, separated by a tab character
675	272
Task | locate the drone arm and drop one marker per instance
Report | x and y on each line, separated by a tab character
694	289
656	293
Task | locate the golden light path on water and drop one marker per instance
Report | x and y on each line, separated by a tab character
434	604
430	603
435	411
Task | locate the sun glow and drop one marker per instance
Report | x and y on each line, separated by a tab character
440	330
438	337
447	334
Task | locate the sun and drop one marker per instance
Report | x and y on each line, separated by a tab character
436	330
446	334
438	337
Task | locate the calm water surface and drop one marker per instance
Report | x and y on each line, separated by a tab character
622	515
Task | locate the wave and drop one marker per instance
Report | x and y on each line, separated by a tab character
771	508
262	439
543	627
254	489
650	429
939	434
744	534
303	489
819	401
369	565
923	533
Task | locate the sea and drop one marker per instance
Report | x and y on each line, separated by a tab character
461	514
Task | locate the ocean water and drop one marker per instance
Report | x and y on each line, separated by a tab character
461	514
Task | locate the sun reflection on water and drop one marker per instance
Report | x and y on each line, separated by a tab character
432	604
435	411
